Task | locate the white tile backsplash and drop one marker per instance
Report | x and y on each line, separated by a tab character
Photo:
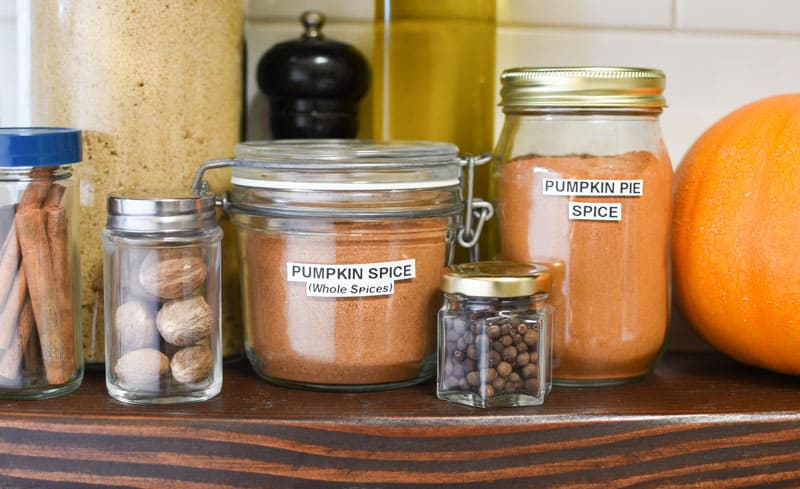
625	14
362	10
748	16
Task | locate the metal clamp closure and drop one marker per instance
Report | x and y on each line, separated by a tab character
477	209
200	186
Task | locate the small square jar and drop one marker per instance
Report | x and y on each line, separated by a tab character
494	335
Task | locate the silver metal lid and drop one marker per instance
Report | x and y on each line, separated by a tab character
582	86
161	212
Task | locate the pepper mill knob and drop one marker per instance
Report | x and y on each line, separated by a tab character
312	21
313	84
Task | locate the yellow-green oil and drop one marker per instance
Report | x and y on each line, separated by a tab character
433	77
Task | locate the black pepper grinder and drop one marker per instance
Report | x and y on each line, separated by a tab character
313	84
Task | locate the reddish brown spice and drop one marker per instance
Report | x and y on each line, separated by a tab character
345	341
610	283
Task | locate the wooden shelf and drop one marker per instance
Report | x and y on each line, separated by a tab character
701	420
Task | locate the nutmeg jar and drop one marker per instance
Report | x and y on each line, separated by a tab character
582	183
162	292
341	246
40	345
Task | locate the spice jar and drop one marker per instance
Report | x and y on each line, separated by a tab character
341	246
494	335
583	183
162	291
40	348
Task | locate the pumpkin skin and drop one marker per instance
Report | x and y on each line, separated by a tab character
736	234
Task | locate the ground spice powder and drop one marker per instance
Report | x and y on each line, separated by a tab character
610	282
346	341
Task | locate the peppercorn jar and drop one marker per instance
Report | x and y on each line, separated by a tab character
494	334
582	183
40	347
162	291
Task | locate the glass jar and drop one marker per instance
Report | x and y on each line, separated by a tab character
162	291
582	183
40	347
494	335
432	65
156	87
341	245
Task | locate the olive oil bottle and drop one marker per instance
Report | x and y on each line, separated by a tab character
433	75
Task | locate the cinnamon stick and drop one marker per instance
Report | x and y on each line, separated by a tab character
34	194
12	279
56	227
41	246
11	361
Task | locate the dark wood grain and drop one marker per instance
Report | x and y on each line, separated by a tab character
700	421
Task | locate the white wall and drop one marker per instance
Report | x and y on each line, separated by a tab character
717	54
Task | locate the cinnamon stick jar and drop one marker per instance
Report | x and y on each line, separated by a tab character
40	347
162	291
341	247
582	183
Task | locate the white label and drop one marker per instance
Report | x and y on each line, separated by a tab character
592	188
589	211
352	280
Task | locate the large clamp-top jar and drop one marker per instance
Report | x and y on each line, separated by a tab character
341	248
582	183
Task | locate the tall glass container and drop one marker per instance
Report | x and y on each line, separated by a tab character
433	75
156	87
583	184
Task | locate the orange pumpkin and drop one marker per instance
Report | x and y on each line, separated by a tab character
736	234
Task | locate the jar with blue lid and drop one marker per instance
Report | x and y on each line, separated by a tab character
40	342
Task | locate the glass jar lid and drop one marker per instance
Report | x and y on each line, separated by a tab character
343	164
39	146
584	86
496	279
161	212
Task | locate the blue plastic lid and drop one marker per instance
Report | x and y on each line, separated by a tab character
39	146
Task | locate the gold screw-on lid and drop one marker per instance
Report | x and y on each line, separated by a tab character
583	86
496	279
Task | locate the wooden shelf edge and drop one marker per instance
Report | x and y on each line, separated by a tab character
700	419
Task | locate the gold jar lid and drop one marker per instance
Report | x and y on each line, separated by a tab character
582	86
496	279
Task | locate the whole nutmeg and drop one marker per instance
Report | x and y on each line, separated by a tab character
141	369
185	322
193	364
173	273
135	326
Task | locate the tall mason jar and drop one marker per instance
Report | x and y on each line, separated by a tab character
582	183
156	88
